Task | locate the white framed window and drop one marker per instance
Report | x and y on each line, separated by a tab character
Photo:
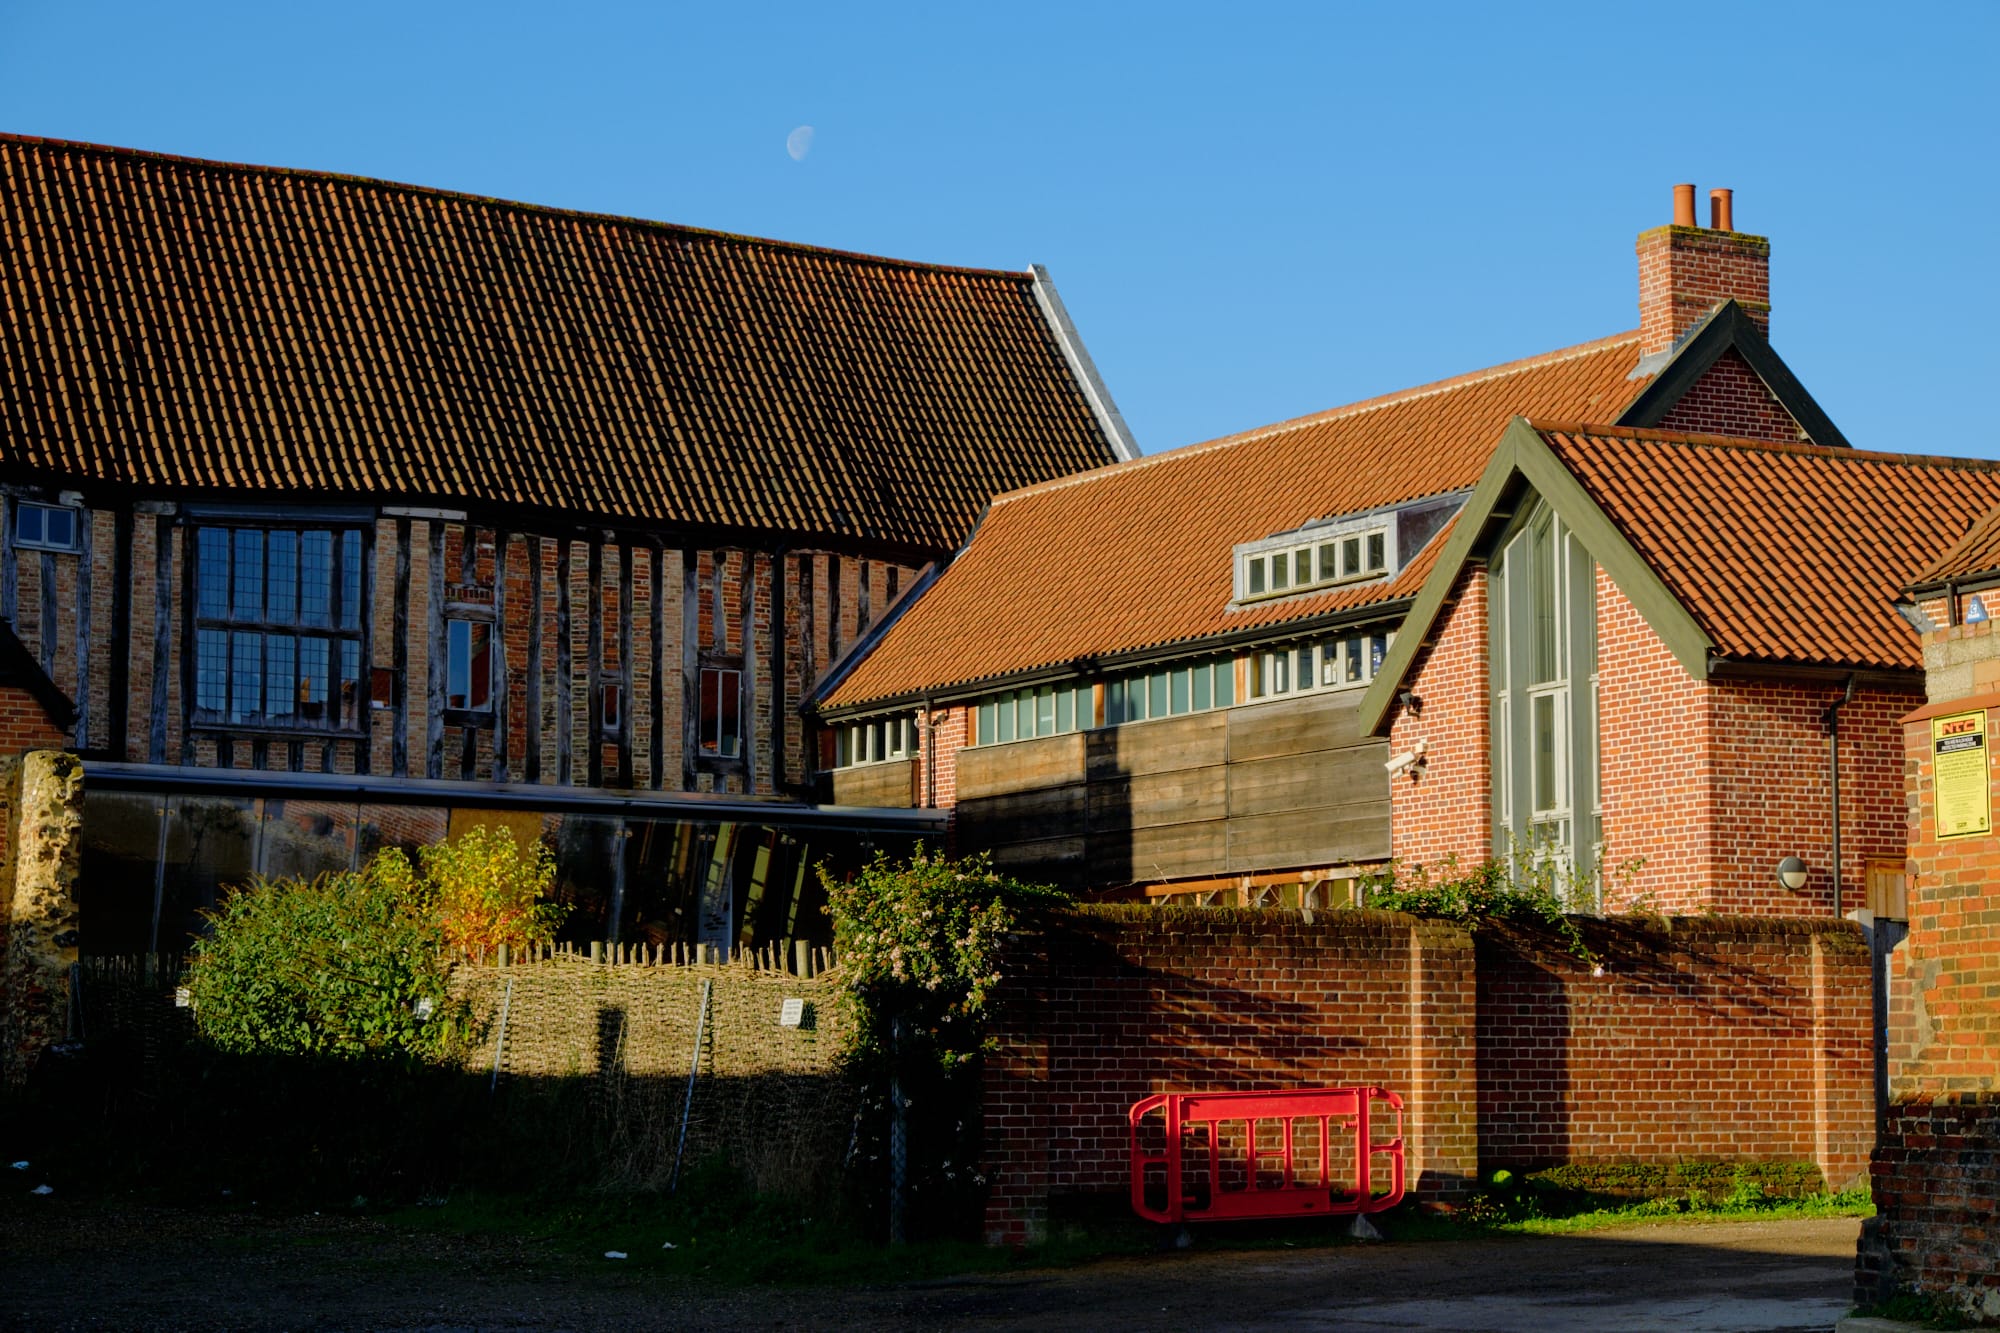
1542	655
878	740
1280	568
1170	691
1344	663
1021	715
42	527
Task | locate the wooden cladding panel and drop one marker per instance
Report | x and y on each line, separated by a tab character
1167	851
1270	786
1020	766
1196	741
1335	834
1294	726
1183	796
1309	781
888	786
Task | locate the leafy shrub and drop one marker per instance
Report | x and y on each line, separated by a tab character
345	965
920	943
485	891
1489	891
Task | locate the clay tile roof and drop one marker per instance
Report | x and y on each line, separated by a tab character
1785	554
175	324
1138	555
1976	553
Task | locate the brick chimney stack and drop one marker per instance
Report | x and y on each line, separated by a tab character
1685	269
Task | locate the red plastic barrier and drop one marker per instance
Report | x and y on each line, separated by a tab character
1191	1178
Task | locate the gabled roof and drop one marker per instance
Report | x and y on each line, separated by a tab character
1134	557
1737	552
1973	557
180	325
1726	330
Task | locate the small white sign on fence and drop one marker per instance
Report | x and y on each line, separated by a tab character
792	1014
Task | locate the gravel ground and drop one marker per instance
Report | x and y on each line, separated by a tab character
84	1265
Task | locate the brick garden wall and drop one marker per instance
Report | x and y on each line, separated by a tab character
1711	1039
1936	1168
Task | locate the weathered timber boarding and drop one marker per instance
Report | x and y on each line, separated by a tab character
1262	787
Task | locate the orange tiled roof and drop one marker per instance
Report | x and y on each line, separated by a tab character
1137	555
1976	553
1784	553
178	324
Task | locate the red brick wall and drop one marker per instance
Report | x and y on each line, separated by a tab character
1654	766
1712	1039
1936	1174
1145	1000
1655	1054
1773	793
1936	1169
952	726
1729	399
1684	271
1447	811
24	725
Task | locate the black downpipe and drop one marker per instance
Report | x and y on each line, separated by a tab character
1830	719
930	755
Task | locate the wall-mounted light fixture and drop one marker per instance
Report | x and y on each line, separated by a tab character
1792	873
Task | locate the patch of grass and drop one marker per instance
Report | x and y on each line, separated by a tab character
1915	1309
722	1234
715	1231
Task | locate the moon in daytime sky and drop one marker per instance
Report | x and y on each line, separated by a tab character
799	142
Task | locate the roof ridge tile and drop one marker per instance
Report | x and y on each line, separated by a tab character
1346	411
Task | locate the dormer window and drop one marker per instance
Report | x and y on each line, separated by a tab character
1323	562
1343	549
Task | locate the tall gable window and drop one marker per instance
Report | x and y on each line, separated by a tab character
277	627
1543	655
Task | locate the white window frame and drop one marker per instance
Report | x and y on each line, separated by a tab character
1371	647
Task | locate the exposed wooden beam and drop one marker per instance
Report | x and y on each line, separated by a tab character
434	722
565	665
593	701
118	679
531	758
399	722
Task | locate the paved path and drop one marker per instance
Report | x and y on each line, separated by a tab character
105	1268
1713	1278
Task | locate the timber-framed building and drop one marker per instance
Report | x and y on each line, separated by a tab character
339	513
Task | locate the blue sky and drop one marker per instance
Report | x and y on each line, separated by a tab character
1251	211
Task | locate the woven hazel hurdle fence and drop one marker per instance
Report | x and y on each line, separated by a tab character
683	1061
625	1065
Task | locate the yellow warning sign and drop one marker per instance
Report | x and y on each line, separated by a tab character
1962	779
